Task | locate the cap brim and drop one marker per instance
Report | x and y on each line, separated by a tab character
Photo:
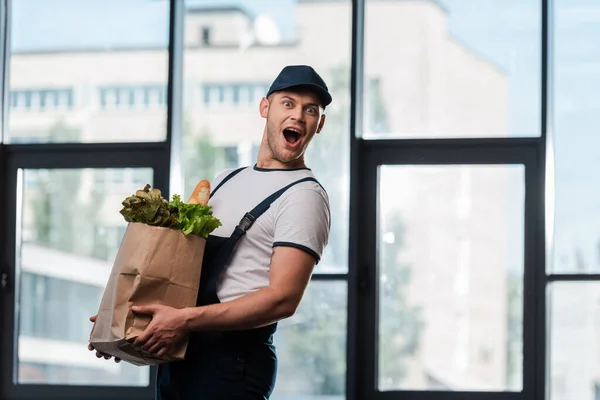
323	94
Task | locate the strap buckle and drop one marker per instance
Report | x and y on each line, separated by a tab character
246	222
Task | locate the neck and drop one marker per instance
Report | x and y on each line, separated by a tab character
268	162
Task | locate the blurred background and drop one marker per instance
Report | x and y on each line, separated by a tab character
451	251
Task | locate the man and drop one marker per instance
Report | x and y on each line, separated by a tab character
276	223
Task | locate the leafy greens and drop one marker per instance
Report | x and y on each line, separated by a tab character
150	207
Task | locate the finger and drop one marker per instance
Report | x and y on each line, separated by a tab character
90	347
93	318
162	352
155	348
143	338
145	310
99	354
117	360
152	340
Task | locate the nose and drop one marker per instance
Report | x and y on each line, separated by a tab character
298	114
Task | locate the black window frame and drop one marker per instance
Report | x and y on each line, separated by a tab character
471	152
13	157
362	272
61	156
164	156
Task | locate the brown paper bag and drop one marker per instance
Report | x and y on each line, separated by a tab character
154	265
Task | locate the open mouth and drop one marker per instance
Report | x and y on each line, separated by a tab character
292	136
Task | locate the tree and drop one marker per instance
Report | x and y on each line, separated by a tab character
598	253
60	218
322	317
201	158
400	323
312	344
329	158
376	112
514	340
314	339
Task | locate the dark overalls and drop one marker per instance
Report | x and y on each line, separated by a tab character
229	364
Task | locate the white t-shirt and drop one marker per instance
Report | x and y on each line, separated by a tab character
299	218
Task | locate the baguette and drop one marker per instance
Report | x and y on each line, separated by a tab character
201	193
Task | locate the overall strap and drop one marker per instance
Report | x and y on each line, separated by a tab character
251	216
228	177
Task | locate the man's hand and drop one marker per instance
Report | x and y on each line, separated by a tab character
166	330
99	354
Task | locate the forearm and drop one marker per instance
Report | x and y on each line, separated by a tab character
260	308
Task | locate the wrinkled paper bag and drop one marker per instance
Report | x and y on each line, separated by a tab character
154	265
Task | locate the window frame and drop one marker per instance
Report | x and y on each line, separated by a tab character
166	163
155	155
516	151
361	365
54	156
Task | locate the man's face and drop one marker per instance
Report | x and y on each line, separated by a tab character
293	118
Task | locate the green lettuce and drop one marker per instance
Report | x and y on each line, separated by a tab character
194	219
150	207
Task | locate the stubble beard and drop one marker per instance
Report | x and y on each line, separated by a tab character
272	137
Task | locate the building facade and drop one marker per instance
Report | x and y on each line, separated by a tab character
419	82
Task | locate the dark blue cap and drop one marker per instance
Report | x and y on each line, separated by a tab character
301	76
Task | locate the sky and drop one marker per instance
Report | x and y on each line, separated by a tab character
507	32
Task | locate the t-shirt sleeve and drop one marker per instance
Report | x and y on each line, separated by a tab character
303	221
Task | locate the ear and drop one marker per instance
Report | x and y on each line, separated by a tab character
264	107
321	123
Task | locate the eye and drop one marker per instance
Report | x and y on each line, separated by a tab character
311	110
287	103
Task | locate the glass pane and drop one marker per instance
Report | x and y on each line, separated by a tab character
577	107
451	277
452	68
311	346
574	332
232	56
70	232
88	71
